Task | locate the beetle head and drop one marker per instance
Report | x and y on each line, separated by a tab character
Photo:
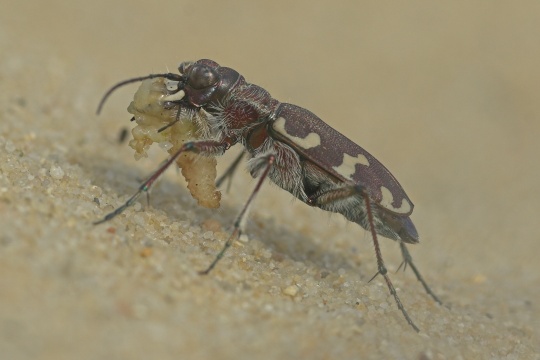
198	80
201	80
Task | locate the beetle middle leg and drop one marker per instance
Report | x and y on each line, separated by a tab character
228	174
240	219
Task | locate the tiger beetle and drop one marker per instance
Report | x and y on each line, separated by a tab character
295	150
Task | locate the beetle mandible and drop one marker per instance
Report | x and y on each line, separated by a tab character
294	149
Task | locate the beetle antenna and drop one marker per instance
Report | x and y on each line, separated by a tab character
170	76
176	119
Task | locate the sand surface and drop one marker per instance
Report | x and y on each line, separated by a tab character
447	97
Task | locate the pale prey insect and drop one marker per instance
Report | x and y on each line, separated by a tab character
294	149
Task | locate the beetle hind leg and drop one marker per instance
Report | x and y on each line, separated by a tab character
340	194
407	260
380	263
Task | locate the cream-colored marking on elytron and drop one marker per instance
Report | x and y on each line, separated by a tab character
348	166
388	199
310	141
174	97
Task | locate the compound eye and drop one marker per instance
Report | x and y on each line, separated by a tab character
202	76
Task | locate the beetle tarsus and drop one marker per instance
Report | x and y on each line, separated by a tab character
407	260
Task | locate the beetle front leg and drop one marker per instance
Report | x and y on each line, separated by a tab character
240	219
208	147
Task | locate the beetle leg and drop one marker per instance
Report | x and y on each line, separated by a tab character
333	195
344	193
407	260
380	263
228	174
210	147
240	219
